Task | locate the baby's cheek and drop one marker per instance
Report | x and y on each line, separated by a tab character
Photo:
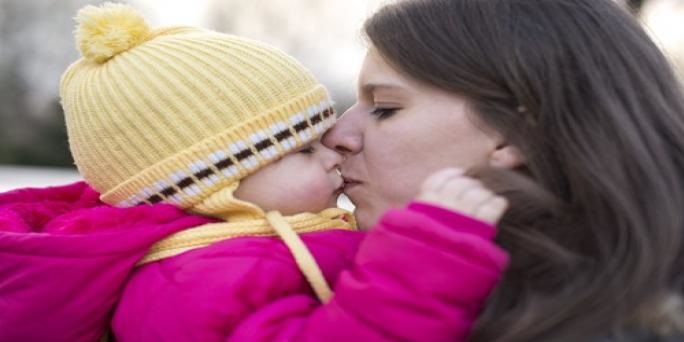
315	194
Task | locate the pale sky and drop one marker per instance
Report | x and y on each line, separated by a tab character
325	36
664	20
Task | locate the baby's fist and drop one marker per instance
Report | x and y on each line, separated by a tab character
452	189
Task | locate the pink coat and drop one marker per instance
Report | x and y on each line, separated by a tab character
67	272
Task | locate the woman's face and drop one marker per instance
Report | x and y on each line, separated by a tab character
397	133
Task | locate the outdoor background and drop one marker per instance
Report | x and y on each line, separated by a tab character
36	46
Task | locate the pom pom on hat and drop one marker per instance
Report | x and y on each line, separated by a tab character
107	30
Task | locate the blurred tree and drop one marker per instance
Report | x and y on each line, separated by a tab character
37	46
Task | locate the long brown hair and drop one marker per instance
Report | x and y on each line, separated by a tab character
577	85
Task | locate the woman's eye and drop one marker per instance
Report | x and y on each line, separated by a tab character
307	150
383	112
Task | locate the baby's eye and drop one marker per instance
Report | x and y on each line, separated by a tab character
307	149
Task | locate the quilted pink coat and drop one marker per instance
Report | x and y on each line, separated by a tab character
67	274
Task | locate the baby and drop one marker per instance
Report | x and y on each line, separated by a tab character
213	215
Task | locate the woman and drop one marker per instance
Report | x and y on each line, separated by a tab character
571	94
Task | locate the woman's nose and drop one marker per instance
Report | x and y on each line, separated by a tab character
345	137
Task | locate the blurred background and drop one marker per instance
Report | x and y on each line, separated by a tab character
37	45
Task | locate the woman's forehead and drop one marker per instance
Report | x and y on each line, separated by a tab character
376	71
378	76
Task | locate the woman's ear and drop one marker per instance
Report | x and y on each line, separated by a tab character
506	156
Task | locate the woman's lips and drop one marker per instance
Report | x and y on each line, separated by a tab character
349	183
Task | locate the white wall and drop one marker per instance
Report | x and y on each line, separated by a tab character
12	177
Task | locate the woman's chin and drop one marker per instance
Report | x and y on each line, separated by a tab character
365	219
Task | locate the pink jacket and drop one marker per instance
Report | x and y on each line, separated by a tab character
67	272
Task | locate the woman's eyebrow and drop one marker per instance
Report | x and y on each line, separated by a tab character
372	87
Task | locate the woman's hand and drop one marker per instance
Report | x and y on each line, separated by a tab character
452	189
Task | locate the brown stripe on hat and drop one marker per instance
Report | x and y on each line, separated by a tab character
240	156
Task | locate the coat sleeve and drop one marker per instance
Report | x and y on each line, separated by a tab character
63	286
422	274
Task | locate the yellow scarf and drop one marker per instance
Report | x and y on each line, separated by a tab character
241	218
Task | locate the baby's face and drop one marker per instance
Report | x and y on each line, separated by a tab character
303	181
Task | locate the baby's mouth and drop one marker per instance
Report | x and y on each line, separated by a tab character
340	188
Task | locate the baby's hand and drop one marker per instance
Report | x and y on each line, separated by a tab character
452	189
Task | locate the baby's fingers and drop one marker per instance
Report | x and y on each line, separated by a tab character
437	180
451	189
491	210
463	188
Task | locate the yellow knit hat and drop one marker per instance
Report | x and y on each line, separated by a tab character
175	114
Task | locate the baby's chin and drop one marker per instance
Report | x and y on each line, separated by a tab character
332	203
317	208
